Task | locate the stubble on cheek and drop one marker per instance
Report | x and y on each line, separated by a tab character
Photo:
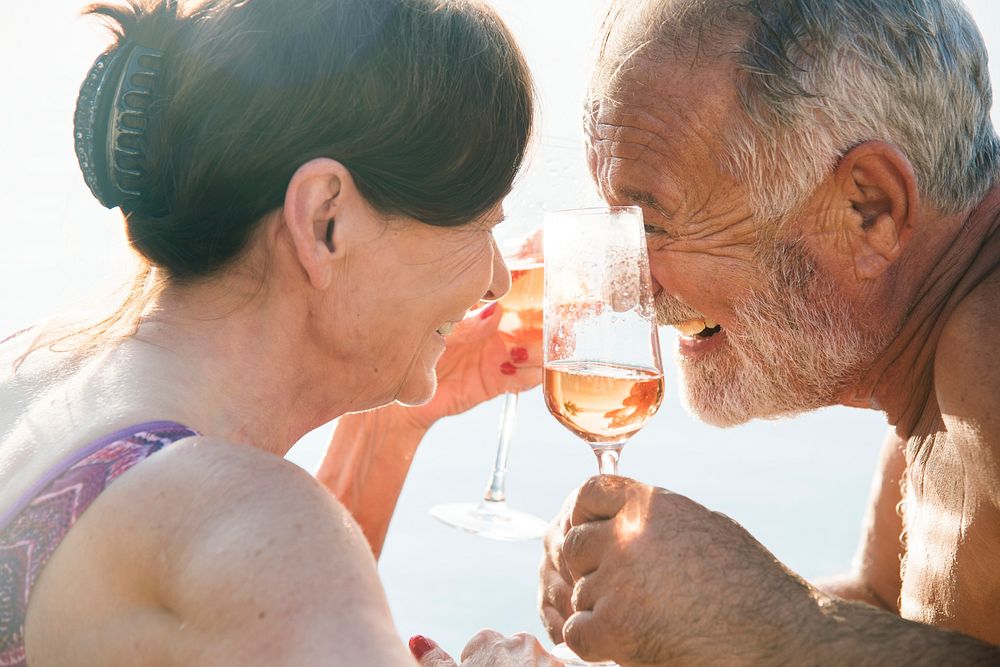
795	345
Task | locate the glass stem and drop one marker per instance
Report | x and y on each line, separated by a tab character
495	493
607	459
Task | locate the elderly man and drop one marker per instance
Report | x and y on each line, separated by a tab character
821	186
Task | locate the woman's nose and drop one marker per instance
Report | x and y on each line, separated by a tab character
500	284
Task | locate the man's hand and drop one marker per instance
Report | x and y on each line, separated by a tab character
481	363
556	583
659	579
487	649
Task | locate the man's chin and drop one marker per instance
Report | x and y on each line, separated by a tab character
726	403
710	413
735	402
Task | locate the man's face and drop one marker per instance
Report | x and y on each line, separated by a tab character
766	327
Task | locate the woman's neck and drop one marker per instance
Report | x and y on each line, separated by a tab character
239	366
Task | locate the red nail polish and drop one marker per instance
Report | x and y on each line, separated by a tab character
519	355
488	310
508	368
420	646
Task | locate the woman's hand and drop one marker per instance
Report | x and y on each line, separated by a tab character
487	649
480	363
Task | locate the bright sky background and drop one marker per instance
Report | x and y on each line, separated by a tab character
798	485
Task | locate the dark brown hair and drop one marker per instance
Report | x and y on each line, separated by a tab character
428	103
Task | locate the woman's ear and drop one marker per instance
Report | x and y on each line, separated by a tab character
317	201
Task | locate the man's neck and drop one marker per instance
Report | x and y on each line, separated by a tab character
956	256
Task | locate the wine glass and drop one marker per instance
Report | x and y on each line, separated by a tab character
522	315
603	373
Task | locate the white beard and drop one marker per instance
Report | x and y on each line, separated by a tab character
797	346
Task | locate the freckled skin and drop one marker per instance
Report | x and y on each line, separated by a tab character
683	585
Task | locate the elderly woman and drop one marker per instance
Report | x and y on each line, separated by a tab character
310	186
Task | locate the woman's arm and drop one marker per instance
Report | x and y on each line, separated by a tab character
366	464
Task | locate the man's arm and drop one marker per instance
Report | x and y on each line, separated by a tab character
854	633
875	576
661	580
874	579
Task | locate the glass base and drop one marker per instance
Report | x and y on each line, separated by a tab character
491	519
566	655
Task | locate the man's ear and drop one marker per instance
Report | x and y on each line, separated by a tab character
317	201
881	186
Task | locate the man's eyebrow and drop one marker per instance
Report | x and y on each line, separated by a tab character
646	198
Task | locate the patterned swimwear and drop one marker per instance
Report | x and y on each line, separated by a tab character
31	530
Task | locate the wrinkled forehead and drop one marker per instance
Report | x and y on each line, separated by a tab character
670	116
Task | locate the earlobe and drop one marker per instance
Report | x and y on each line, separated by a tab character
314	202
880	184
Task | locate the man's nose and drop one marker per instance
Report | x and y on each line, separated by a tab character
659	273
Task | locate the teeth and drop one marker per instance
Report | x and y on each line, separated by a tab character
690	327
710	324
446	328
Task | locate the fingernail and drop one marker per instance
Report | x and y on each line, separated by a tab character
508	368
420	646
488	310
519	354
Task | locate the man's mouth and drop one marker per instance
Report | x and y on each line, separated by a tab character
698	328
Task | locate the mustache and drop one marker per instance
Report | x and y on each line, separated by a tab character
789	264
671	310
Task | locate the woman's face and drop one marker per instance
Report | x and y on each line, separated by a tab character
411	284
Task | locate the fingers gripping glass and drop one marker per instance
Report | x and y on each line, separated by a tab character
603	373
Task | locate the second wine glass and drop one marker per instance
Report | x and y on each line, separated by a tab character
521	319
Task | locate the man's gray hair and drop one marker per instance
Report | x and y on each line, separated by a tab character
818	77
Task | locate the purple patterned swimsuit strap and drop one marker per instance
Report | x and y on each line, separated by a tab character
33	527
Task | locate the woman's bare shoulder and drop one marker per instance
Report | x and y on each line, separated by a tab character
245	558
